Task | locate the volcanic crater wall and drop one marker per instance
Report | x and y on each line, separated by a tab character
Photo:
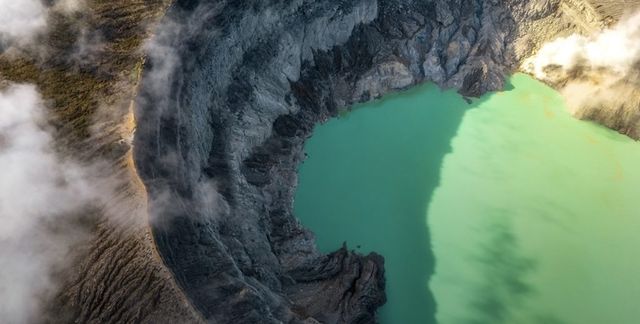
230	93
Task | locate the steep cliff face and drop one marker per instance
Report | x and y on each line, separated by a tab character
224	113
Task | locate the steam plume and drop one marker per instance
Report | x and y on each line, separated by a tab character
597	74
38	189
22	20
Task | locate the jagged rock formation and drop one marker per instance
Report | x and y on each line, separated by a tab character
230	93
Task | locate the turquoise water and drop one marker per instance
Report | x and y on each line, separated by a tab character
507	210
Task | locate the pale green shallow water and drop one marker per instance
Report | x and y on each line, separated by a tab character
532	216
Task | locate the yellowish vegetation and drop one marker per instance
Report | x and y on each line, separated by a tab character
75	87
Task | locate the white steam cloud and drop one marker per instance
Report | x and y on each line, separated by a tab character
595	73
37	191
616	49
69	6
22	20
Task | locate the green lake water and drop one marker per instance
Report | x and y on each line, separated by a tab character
506	210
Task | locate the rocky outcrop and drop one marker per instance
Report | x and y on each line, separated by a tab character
223	116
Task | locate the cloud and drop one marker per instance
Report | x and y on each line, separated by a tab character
22	20
596	72
616	49
69	6
38	193
162	62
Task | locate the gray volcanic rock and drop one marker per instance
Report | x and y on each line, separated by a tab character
231	92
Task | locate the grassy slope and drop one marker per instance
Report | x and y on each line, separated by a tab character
76	86
89	96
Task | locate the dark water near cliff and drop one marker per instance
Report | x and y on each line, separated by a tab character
504	211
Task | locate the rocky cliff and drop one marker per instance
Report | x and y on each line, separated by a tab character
229	93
